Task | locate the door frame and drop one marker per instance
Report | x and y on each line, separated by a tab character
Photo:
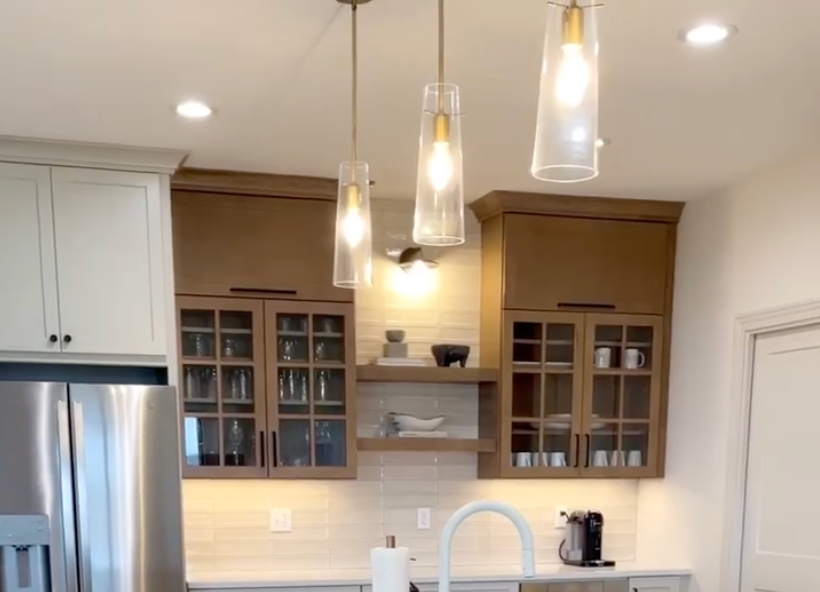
748	327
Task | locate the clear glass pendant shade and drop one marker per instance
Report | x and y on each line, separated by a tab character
439	217
353	260
566	133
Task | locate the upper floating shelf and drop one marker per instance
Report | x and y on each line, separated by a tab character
429	374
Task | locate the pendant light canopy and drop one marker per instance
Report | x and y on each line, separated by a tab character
353	257
439	217
566	134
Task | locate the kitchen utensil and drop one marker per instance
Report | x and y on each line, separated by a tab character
603	357
634	458
634	359
600	458
394	335
616	459
558	459
523	459
410	423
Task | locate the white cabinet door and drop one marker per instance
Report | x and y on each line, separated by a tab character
655	585
28	295
108	234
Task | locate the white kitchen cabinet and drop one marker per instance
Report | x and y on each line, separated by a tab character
108	243
655	585
29	314
465	587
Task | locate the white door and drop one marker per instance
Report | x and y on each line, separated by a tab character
108	233
29	320
781	547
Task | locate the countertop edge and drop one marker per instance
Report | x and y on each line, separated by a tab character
561	575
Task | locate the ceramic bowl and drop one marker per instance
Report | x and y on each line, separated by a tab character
394	335
410	423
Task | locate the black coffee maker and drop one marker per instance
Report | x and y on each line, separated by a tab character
584	541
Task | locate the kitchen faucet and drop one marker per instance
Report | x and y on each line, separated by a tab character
460	515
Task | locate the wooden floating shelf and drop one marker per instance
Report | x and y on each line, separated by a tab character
425	445
428	374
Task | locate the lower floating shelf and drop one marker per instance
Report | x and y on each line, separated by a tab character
425	445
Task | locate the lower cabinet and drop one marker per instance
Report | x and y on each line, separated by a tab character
655	585
670	584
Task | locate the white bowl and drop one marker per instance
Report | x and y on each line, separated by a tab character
410	423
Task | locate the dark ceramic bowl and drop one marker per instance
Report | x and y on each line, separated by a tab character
447	354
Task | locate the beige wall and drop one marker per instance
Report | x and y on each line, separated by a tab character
335	523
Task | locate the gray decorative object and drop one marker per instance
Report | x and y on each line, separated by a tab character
394	348
447	354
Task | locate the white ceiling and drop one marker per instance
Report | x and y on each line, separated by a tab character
684	122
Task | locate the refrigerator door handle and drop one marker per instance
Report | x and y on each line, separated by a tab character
67	495
78	450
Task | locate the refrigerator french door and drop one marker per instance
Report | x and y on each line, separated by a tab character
90	493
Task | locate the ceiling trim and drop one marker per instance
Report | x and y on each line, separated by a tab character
261	184
96	156
508	202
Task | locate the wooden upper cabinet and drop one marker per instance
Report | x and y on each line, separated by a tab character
240	245
559	262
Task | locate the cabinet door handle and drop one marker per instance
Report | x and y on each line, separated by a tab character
53	339
261	448
67	338
274	460
263	291
577	450
586	460
594	305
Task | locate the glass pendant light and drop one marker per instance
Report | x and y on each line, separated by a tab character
353	257
566	134
439	217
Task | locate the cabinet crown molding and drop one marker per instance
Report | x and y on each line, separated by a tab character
256	184
508	202
89	155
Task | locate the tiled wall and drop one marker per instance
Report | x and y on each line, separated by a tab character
335	523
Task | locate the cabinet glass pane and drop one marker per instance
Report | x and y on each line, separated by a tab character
608	346
638	352
197	333
603	445
293	349
236	334
637	400
558	396
329	391
329	325
199	389
524	444
293	391
560	348
527	344
201	442
606	397
328	350
635	444
294	443
239	439
291	324
237	389
329	443
527	331
556	445
526	395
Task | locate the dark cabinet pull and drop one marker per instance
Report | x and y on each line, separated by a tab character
586	305
577	450
261	448
586	461
67	338
53	339
274	460
263	291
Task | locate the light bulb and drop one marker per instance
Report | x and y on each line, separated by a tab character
440	166
573	75
353	226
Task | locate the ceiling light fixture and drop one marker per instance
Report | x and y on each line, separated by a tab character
439	217
566	132
193	110
708	34
353	254
412	258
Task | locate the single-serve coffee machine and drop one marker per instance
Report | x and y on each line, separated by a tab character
584	541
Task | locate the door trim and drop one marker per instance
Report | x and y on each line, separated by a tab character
748	327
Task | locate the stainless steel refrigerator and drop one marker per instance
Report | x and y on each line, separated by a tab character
90	490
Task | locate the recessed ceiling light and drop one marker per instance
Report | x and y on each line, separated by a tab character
708	34
193	110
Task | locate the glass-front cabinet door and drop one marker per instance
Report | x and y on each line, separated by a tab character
222	387
622	395
311	382
541	424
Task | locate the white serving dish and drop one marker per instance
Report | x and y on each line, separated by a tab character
410	423
563	425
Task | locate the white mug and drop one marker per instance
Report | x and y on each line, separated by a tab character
634	459
558	459
599	458
634	359
617	459
522	459
603	357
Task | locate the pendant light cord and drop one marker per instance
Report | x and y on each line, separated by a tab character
355	93
441	56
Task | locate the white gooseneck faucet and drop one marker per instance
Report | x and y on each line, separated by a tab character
527	545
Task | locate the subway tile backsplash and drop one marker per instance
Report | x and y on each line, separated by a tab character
335	523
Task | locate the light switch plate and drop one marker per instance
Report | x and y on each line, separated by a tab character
560	520
423	518
281	520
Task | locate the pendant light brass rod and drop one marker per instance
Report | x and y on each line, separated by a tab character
441	56
355	91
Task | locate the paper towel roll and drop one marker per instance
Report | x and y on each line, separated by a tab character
390	569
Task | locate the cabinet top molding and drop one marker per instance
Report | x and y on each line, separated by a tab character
87	155
509	202
257	184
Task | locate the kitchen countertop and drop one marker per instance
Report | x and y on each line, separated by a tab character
557	573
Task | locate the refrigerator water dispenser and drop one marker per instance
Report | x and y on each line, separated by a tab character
24	554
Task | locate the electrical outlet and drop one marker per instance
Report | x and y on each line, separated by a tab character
560	519
423	518
281	520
